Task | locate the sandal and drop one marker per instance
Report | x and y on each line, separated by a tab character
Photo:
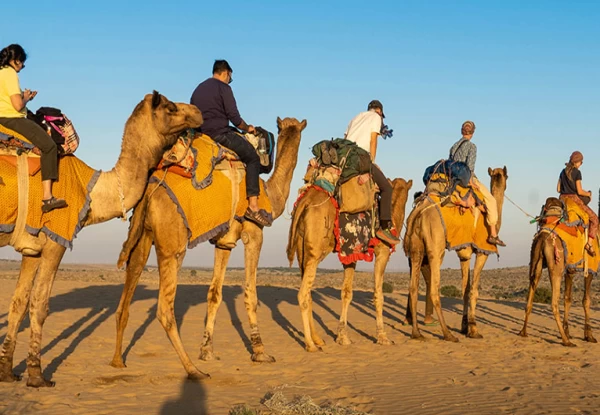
590	250
494	240
257	218
49	205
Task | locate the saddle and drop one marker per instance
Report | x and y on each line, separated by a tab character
13	144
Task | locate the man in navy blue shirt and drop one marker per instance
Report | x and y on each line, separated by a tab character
214	98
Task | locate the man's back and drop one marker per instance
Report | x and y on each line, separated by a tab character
464	150
360	128
216	102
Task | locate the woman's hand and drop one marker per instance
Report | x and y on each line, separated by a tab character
28	95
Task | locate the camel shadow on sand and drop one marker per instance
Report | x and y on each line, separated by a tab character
101	301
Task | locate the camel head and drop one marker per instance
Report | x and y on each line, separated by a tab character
155	124
400	188
288	131
499	177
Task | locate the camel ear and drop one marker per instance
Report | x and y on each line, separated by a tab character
490	171
409	183
505	172
279	121
303	125
155	99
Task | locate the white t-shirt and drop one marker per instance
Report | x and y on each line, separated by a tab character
360	128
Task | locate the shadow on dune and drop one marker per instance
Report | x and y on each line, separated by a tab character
192	401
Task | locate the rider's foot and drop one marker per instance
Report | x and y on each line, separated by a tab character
495	240
49	205
387	236
257	217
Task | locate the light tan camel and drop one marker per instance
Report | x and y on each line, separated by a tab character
157	221
152	127
546	252
425	246
312	238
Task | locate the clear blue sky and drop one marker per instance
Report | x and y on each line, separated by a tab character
525	72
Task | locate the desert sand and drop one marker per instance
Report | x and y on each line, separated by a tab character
501	373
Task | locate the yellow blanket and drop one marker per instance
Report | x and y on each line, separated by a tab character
462	230
75	182
574	244
208	202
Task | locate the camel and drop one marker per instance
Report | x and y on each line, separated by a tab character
158	221
152	127
312	238
425	245
545	252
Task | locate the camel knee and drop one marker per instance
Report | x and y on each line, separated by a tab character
166	318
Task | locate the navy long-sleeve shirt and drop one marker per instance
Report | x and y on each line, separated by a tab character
215	100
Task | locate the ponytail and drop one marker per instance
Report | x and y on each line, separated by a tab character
12	52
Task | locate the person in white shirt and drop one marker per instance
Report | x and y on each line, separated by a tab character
364	130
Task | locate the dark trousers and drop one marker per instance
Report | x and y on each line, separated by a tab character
247	154
385	193
41	140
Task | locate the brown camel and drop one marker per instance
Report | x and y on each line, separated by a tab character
547	252
152	127
158	221
425	245
312	238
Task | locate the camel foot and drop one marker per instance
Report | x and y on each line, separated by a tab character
451	338
407	322
523	333
343	340
418	337
207	354
590	338
313	349
39	382
474	335
569	344
197	376
384	341
318	341
9	376
262	358
118	363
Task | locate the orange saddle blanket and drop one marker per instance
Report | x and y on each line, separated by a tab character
211	193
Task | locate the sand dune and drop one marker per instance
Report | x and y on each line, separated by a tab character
501	373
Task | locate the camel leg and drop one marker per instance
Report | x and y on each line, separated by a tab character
465	265
316	338
586	307
426	271
16	313
415	272
304	300
168	266
436	262
382	257
480	261
568	300
342	336
535	273
38	311
252	237
135	266
555	280
213	300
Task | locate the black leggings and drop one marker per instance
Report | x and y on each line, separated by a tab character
385	192
40	139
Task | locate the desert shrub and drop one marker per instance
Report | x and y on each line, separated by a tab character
388	287
243	410
543	295
450	291
193	273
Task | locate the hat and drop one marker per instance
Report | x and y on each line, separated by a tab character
376	104
576	157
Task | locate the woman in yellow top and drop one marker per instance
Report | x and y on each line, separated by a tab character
13	115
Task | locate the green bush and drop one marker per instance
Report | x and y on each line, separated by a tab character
243	410
388	287
451	291
193	273
543	295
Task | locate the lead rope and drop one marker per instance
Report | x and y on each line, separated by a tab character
518	207
121	196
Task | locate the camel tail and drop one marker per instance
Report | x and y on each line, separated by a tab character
136	229
536	256
292	238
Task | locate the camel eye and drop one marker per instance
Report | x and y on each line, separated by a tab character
172	108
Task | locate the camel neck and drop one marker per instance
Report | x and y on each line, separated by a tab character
278	184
